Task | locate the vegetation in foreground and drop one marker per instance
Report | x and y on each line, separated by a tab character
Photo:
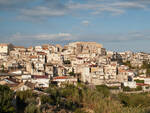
74	99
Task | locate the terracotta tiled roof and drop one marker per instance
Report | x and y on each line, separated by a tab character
33	56
79	58
41	53
21	47
39	76
60	77
29	84
13	80
45	48
113	64
141	84
3	44
30	47
121	70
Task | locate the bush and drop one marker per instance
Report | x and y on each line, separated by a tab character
134	100
24	98
126	88
67	62
138	88
31	108
139	81
79	111
103	89
6	97
46	99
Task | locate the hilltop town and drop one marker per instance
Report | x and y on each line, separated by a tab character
87	62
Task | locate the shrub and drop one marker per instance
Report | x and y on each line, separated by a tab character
6	97
31	108
103	89
126	88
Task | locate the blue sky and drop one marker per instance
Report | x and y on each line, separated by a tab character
120	25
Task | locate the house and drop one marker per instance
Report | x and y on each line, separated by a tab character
110	71
39	66
147	81
26	78
130	84
41	81
24	86
113	84
54	57
85	73
30	49
16	72
85	47
29	67
20	48
42	56
33	58
38	48
97	75
49	69
5	48
64	80
11	80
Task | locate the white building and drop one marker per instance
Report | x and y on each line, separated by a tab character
5	48
40	81
64	79
147	80
26	78
130	84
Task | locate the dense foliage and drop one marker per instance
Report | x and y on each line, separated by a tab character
146	66
26	101
139	81
67	62
6	99
79	99
138	88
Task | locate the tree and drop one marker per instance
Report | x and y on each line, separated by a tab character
71	73
3	68
24	98
31	108
127	88
6	97
127	63
46	99
67	62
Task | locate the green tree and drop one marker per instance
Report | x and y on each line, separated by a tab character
67	62
6	97
31	108
71	73
24	98
46	99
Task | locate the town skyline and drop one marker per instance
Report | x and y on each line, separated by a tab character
66	43
77	66
119	25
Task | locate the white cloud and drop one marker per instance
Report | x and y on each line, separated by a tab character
129	5
59	36
113	7
49	8
13	4
85	22
96	8
114	37
42	11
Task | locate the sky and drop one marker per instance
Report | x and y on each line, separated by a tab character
120	25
